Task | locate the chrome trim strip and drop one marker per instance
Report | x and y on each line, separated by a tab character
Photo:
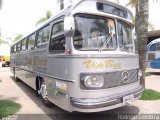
94	103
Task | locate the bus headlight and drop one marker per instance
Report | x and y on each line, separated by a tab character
93	81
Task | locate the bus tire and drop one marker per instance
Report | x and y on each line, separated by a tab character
37	87
43	93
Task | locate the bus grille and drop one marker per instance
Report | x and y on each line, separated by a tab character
114	79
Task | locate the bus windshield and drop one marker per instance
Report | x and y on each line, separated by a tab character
91	33
125	37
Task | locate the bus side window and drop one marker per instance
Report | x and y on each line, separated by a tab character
39	39
43	37
23	48
15	48
31	41
19	46
57	44
57	28
153	47
12	49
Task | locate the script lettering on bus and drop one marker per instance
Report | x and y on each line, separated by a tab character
37	61
40	62
91	64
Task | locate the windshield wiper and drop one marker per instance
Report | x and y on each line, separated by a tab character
106	42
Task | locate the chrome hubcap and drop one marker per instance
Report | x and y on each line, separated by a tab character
43	91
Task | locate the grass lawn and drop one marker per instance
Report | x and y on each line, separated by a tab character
8	107
150	94
147	74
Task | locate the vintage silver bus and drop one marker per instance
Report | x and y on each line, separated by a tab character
83	59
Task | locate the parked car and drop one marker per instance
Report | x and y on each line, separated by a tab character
5	61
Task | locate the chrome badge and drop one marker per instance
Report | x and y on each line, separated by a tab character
125	77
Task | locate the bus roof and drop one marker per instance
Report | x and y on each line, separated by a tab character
155	41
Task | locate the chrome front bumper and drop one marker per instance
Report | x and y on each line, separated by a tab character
93	103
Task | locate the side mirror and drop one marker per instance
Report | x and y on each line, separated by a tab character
69	26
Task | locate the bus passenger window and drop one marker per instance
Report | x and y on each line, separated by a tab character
23	48
38	42
58	27
31	41
57	45
15	48
19	46
43	37
12	49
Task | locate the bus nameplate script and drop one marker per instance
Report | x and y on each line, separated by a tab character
91	64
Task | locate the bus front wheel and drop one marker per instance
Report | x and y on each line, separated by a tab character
43	93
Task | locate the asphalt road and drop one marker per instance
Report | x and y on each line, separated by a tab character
33	108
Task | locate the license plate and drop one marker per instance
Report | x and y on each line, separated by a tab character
128	98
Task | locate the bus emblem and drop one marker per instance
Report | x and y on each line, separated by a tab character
124	77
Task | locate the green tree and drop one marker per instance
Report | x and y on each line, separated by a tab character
141	28
150	25
3	42
132	3
17	37
47	16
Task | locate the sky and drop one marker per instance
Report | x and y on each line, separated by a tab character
20	16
